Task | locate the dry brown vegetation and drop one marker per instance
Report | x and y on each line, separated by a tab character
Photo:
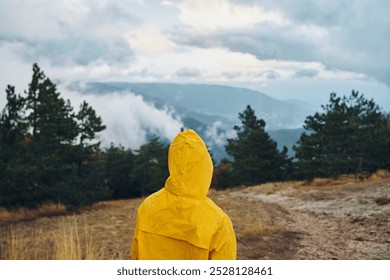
25	214
102	231
327	219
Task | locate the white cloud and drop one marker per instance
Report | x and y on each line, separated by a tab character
167	3
312	33
68	32
128	118
222	65
338	34
218	132
14	70
149	41
31	20
221	14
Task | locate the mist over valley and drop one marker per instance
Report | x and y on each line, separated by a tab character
135	112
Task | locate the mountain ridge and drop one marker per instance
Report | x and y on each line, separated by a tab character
206	106
212	99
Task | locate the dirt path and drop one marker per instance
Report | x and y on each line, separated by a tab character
350	221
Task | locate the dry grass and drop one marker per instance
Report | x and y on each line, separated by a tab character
380	175
25	214
14	247
271	188
66	239
102	231
348	179
249	218
72	244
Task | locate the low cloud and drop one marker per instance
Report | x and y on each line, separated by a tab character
219	133
128	118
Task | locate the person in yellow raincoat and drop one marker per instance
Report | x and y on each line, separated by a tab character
179	222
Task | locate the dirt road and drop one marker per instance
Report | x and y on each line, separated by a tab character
343	221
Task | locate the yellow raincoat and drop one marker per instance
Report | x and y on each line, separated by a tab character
179	222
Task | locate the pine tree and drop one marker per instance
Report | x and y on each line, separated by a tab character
88	125
13	129
51	118
119	164
12	124
150	168
40	158
53	131
350	136
255	154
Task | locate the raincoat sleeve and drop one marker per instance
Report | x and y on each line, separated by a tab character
224	244
134	243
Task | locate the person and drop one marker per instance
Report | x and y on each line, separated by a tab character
179	222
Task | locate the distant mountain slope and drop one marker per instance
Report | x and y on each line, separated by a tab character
286	137
209	103
213	110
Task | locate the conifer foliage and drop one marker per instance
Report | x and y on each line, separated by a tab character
256	158
47	150
351	136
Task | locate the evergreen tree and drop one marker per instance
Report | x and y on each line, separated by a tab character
255	154
52	119
88	125
150	168
53	131
118	169
40	159
12	124
13	129
222	175
350	136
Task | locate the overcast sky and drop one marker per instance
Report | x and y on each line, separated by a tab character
301	49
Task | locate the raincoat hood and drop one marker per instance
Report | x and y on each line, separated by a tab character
190	166
180	221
